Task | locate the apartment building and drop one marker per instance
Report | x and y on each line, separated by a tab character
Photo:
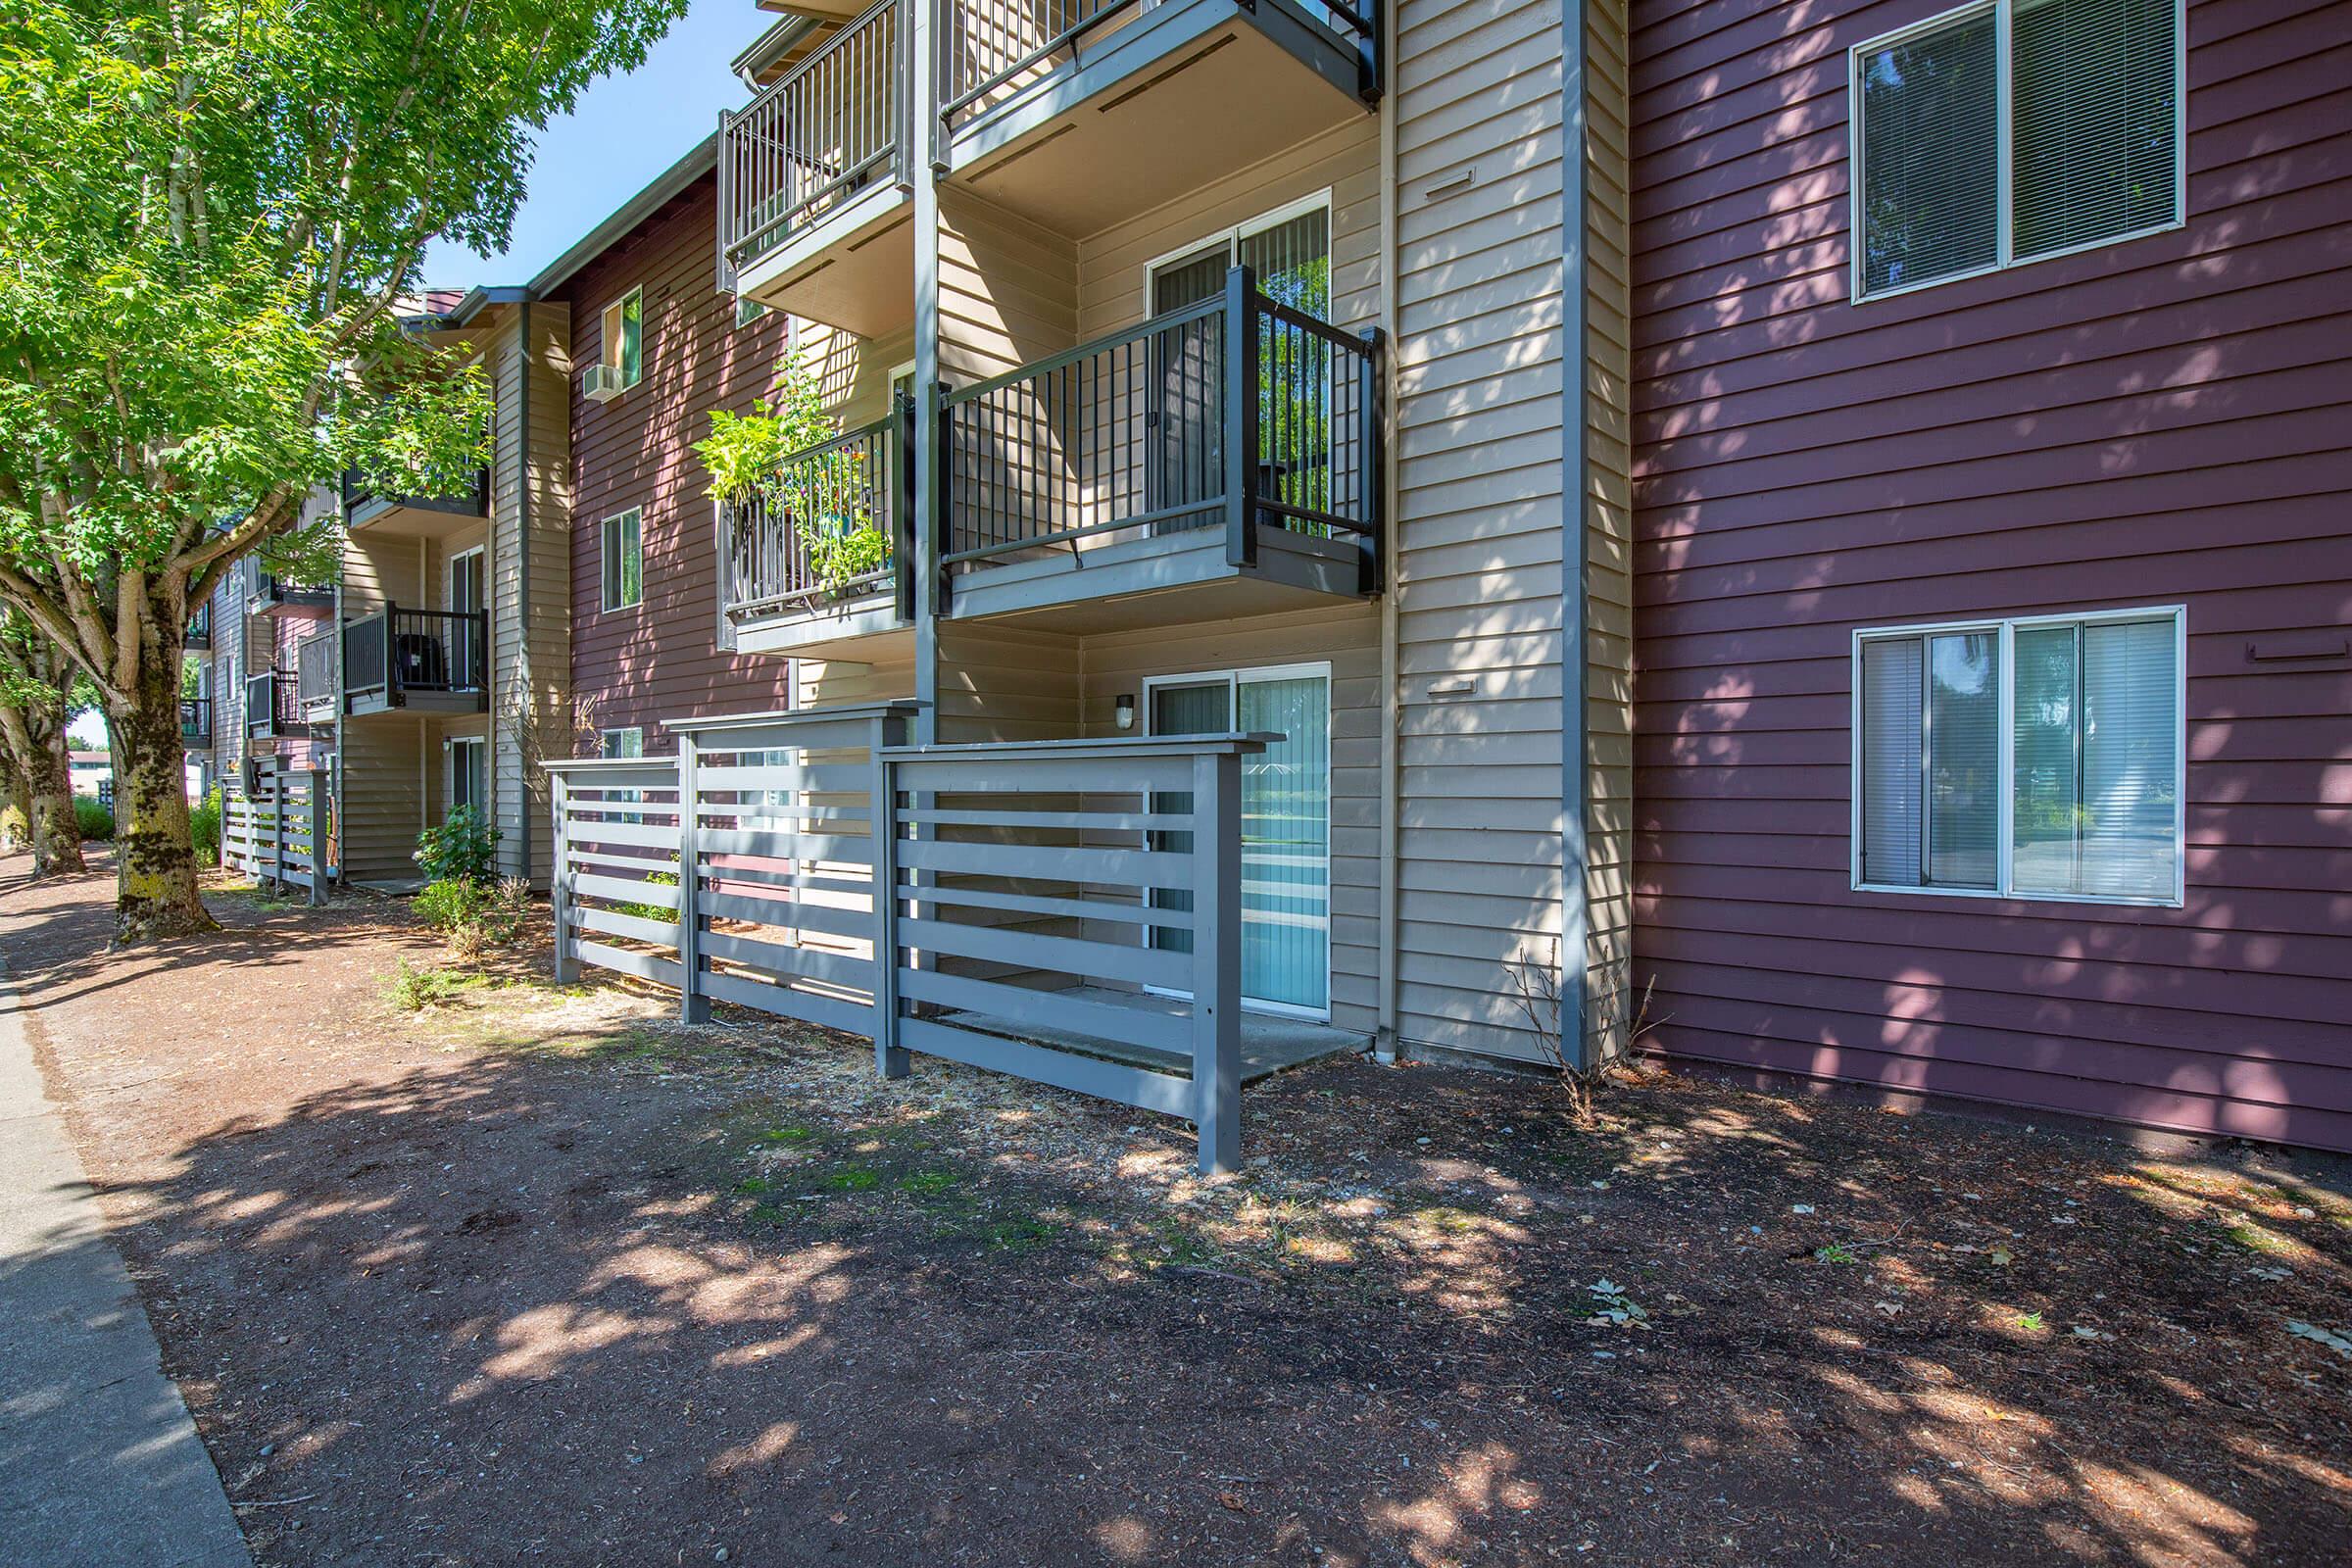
1992	563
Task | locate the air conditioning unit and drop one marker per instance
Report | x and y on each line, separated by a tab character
601	384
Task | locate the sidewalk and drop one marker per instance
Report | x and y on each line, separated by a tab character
99	1464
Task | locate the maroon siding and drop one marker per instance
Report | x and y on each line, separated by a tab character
2166	420
661	660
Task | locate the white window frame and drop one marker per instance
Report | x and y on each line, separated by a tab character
747	311
2002	11
608	581
1319	670
1233	233
604	735
608	325
2004	830
455	564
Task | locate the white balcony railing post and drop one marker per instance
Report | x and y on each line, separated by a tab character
890	1056
1217	959
321	797
694	1007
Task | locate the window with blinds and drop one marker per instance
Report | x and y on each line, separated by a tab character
2038	759
2008	130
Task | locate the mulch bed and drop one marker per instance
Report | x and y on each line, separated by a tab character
523	1275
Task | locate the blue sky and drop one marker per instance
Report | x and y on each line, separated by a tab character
625	130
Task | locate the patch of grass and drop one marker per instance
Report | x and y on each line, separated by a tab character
928	1183
755	1187
853	1179
1834	1252
412	989
2254	1238
2031	1322
1016	1235
784	1135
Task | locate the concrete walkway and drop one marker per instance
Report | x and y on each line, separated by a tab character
99	1462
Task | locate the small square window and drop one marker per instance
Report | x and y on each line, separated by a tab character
747	310
623	559
624	337
616	744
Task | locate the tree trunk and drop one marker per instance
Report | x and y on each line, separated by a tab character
37	744
154	890
16	815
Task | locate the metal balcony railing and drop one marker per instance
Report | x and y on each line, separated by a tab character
857	482
990	51
472	499
832	126
264	590
1235	411
196	721
395	652
274	706
314	676
200	628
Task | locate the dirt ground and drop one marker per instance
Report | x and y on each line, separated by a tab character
523	1275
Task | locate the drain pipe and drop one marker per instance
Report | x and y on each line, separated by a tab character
523	588
1392	705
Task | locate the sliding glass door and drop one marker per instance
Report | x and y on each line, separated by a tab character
1286	824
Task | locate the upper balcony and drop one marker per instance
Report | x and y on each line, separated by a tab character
1080	113
827	559
268	594
1224	459
816	211
274	706
199	636
316	696
387	513
196	723
416	660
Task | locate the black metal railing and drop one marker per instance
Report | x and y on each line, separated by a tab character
395	652
315	675
990	51
273	706
1235	411
831	127
267	590
836	507
196	721
472	499
200	627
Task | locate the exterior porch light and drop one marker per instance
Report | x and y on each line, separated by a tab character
1122	712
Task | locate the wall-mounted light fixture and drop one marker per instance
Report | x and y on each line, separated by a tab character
1122	712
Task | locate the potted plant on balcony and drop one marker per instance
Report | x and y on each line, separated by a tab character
827	498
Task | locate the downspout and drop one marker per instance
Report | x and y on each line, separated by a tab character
1392	700
522	584
1575	561
340	769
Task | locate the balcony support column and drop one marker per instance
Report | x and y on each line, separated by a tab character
1241	418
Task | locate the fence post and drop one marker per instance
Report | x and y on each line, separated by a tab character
559	884
1241	418
277	825
890	1057
321	796
693	1005
1217	959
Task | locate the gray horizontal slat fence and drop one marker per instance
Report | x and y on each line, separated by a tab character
1066	911
278	831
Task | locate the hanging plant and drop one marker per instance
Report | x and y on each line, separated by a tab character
827	496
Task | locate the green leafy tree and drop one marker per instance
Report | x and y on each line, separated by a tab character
209	218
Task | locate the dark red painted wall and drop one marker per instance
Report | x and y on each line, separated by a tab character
661	660
2164	420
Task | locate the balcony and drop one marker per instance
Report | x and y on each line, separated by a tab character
268	594
799	570
196	723
1221	460
199	636
405	514
416	660
815	213
273	708
315	679
1165	97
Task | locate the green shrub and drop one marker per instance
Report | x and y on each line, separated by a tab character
92	817
450	902
462	849
203	826
412	989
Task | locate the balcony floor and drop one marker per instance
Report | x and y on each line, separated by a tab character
1163	580
364	705
868	629
1270	1043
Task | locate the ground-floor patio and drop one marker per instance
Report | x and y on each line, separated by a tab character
461	1267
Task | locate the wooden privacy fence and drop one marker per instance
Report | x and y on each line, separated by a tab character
276	828
1067	911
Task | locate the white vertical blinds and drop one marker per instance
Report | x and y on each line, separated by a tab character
1891	742
2076	777
1930	149
2093	121
2082	98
